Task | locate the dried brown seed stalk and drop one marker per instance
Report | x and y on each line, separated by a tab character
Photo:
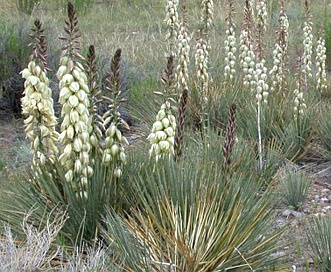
229	137
180	125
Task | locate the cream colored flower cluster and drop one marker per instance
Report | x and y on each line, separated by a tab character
183	54
299	102
37	104
75	127
162	137
322	83
261	14
280	53
247	60
308	47
114	148
172	22
207	12
262	86
201	63
230	45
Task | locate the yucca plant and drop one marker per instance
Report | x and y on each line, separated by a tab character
195	218
319	237
295	187
324	127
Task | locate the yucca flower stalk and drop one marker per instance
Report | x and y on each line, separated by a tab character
307	43
183	52
95	98
37	102
75	101
201	63
162	136
279	71
180	125
202	56
230	44
260	72
172	22
229	138
322	83
246	50
299	101
207	14
115	142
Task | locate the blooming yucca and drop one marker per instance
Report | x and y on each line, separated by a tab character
201	63
299	101
74	98
172	22
37	103
246	50
322	83
162	137
207	11
307	43
278	70
230	44
115	142
183	52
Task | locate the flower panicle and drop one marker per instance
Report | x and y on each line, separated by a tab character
230	44
183	52
37	102
115	141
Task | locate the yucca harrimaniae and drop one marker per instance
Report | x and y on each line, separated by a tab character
37	103
295	187
114	149
74	98
195	218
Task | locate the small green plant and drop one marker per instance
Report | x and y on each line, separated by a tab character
295	187
319	237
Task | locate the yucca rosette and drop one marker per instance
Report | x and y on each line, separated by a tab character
162	137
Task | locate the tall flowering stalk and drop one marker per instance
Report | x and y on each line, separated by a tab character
95	92
307	43
202	54
37	102
115	142
230	44
322	83
260	70
162	136
183	52
299	101
246	50
74	98
279	71
172	22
